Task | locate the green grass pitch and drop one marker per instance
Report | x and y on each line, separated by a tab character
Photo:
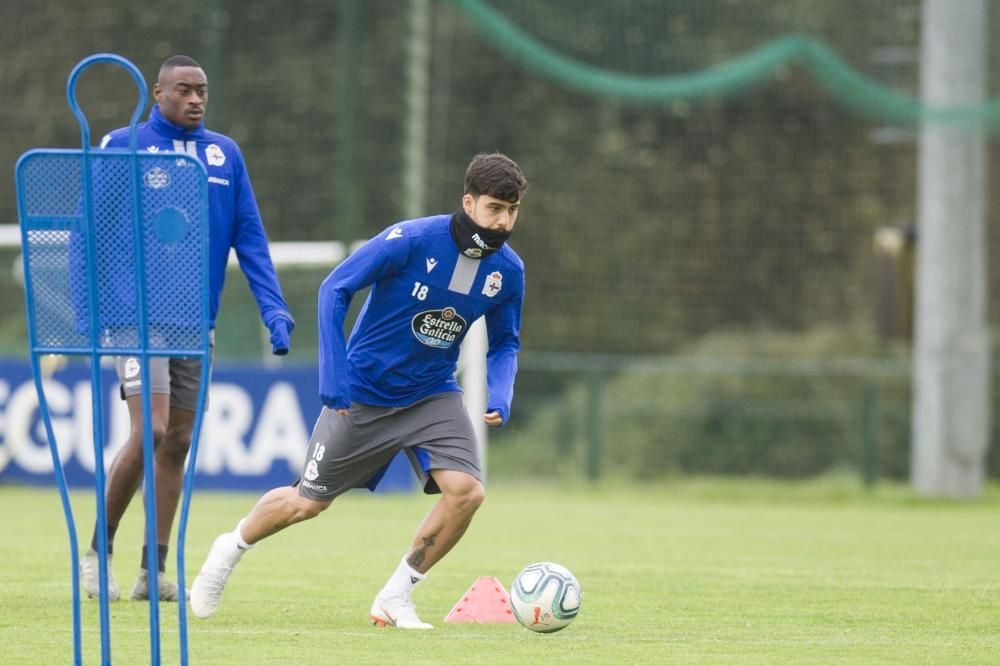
696	572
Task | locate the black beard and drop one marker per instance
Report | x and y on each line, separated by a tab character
473	240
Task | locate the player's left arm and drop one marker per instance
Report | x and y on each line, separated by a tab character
251	245
503	328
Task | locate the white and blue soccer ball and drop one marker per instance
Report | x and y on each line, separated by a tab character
545	597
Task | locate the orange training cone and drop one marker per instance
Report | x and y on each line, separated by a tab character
486	601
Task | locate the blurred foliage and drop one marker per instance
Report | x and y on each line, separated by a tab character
741	403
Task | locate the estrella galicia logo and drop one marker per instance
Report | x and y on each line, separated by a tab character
438	328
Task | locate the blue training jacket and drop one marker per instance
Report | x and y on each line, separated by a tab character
234	219
424	296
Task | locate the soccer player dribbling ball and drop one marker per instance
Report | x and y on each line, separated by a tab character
392	387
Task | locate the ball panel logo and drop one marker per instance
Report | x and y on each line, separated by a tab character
438	328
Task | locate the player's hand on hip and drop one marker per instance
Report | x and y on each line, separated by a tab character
281	329
494	419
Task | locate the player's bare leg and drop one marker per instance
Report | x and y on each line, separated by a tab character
124	478
276	510
125	474
446	522
170	458
171	454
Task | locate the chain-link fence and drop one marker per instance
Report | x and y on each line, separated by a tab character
697	168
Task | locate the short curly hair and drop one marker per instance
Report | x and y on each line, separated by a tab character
495	175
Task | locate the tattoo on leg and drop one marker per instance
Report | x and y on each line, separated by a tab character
418	556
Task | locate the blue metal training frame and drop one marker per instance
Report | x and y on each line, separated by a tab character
115	248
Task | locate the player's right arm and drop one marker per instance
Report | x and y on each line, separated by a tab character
378	258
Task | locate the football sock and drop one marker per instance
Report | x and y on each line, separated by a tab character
111	538
161	555
240	543
404	579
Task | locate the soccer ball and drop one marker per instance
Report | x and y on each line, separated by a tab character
545	597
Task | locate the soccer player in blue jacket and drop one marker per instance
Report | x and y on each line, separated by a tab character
391	387
176	123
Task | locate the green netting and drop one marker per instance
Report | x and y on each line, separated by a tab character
847	85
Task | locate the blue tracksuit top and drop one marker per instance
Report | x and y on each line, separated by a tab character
424	296
234	219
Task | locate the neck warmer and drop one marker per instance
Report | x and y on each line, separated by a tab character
170	130
473	240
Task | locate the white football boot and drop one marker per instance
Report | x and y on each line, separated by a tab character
168	588
206	591
396	610
91	579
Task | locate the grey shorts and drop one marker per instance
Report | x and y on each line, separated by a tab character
354	451
178	377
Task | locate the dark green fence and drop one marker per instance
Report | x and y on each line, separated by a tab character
592	416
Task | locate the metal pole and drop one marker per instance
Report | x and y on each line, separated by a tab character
869	435
348	52
595	389
214	45
951	397
417	104
472	373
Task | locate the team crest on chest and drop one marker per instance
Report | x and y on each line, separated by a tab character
494	282
214	155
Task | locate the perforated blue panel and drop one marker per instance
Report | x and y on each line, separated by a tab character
144	242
